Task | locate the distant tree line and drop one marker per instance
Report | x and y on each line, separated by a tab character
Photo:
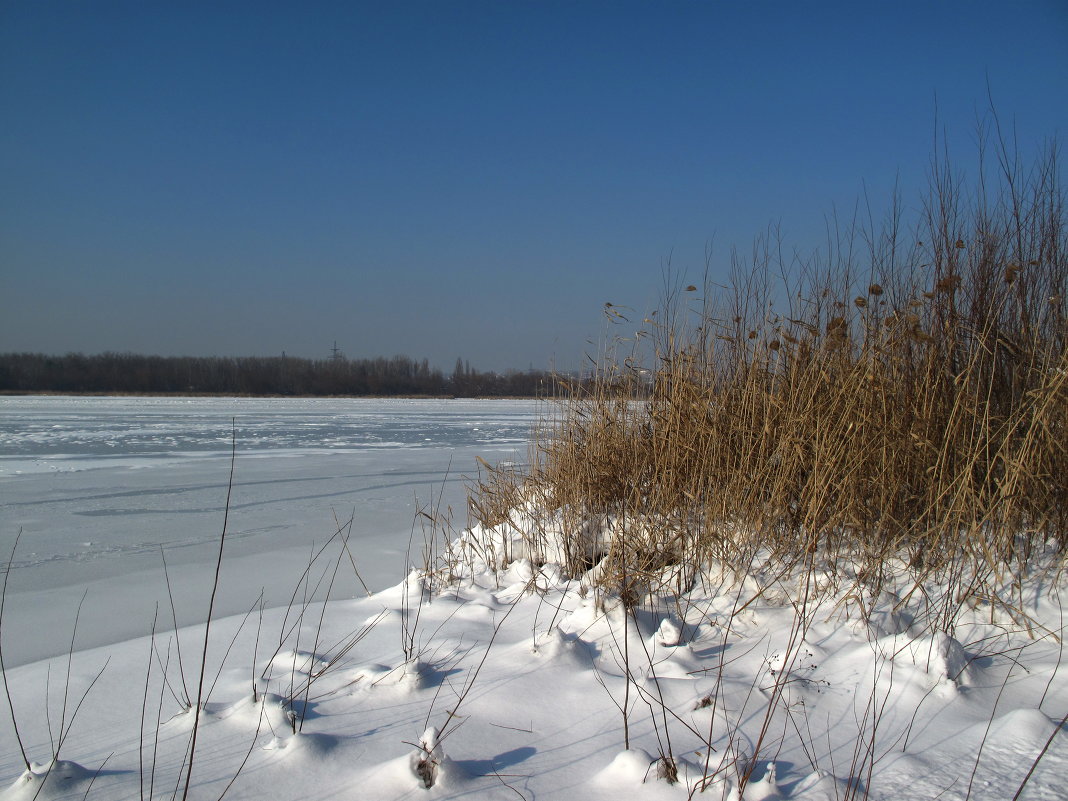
254	375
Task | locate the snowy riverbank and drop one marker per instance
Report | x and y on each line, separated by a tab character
525	677
485	676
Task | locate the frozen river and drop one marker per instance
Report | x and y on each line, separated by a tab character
100	486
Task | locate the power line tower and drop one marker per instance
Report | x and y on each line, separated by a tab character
335	353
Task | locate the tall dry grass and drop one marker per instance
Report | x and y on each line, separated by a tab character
901	396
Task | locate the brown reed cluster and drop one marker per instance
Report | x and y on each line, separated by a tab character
899	397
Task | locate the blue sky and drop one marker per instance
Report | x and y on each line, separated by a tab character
446	179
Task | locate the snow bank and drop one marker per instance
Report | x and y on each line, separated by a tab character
500	676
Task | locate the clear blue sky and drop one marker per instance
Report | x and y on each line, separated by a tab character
448	179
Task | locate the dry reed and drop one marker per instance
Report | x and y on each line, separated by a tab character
900	397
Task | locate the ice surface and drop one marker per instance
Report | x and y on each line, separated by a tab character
98	486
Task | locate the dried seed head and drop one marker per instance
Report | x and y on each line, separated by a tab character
948	284
860	303
835	324
959	244
875	289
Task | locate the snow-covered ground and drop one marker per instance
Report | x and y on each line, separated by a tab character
510	681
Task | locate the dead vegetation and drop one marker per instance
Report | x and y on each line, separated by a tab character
901	394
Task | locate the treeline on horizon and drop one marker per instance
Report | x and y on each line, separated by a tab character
128	373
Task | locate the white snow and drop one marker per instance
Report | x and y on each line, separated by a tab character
504	681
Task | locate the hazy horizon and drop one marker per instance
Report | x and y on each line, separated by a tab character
467	180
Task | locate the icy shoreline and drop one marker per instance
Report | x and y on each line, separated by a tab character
99	485
488	672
